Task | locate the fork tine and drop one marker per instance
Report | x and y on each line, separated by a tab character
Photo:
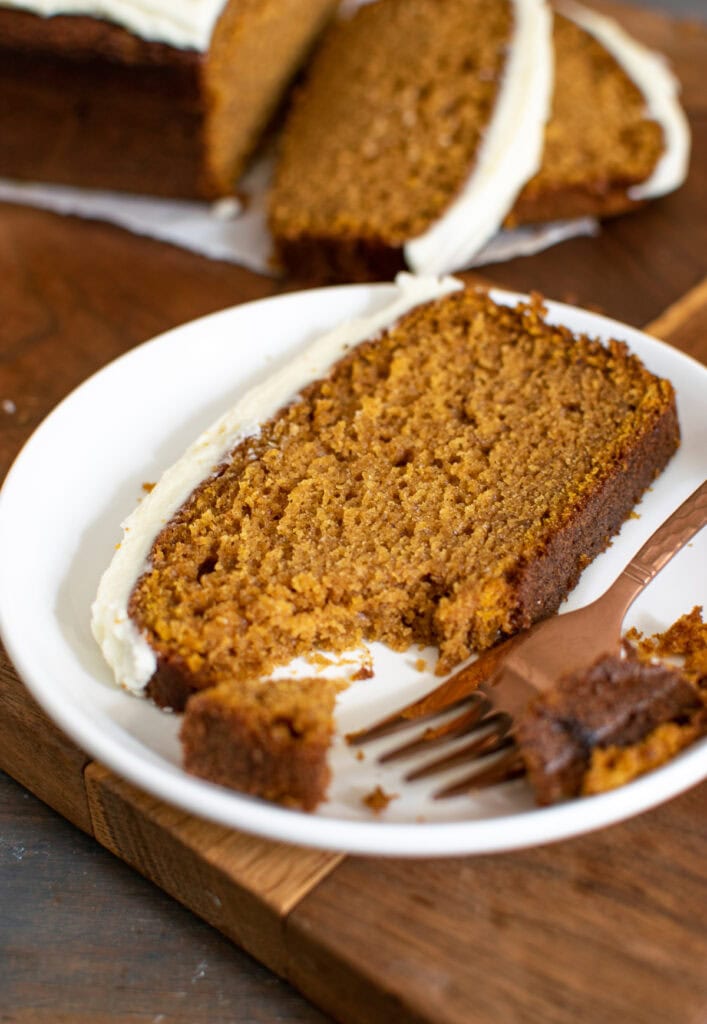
484	743
398	720
432	736
507	768
448	694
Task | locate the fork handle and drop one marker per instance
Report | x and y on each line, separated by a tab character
660	547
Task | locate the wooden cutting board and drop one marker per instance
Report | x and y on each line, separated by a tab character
605	928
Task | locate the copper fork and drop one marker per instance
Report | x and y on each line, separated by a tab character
489	695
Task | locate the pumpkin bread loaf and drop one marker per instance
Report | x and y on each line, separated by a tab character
85	101
385	132
383	144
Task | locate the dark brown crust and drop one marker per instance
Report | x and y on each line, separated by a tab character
86	103
613	703
603	199
171	685
220	745
331	260
545	582
77	38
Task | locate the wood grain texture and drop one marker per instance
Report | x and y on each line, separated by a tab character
684	323
241	884
76	294
38	754
607	928
86	940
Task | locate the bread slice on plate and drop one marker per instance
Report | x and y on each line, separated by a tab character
439	474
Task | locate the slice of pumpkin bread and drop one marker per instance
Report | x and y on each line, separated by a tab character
600	140
444	484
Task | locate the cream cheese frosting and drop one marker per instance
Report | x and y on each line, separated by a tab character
185	24
124	647
509	155
650	72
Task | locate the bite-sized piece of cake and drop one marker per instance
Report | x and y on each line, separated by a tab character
418	123
616	135
269	738
169	98
686	641
614	704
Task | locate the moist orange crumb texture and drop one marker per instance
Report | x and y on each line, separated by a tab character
386	128
614	766
598	135
400	498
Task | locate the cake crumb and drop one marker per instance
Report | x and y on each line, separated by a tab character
416	480
405	448
685	639
148	486
360	756
420	664
377	800
319	660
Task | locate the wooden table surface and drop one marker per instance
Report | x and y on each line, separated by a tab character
84	938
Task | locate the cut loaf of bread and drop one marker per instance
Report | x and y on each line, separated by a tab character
84	101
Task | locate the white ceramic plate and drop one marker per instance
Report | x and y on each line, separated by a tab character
82	472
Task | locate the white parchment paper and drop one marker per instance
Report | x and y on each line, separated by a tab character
236	231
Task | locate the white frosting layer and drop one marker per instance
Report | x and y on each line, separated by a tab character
510	154
186	24
127	652
651	74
